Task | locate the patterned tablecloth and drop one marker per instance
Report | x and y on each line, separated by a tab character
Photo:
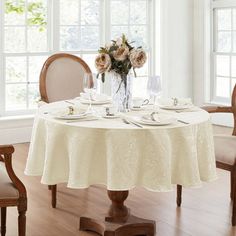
121	156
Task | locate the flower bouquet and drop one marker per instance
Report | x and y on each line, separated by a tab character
118	58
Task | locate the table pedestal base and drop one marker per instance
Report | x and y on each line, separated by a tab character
119	222
132	227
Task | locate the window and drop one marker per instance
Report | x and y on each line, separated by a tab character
223	50
25	45
31	30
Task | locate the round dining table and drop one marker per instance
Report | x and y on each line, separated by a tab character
121	156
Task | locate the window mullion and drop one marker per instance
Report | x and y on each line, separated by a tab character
106	22
151	36
129	34
223	3
2	84
54	26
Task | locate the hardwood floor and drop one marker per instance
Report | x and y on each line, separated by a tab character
205	211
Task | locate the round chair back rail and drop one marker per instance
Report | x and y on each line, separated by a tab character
61	77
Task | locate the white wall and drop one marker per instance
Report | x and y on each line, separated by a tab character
15	129
177	47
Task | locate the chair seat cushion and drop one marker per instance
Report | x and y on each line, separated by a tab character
225	148
7	189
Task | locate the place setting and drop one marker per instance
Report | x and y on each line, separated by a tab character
155	119
177	105
72	114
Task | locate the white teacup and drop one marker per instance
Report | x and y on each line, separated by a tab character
139	102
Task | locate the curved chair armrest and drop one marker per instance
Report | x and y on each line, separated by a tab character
6	155
217	109
6	149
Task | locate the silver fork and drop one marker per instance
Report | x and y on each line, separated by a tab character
131	122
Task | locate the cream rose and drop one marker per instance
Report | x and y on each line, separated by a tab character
103	62
121	53
119	42
108	46
138	57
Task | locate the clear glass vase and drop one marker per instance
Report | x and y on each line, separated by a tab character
121	91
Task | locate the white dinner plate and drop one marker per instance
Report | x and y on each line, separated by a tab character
178	107
99	102
162	120
64	116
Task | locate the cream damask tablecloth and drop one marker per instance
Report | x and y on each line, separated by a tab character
121	156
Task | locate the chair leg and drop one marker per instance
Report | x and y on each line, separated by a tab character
232	185
179	195
54	195
3	220
21	223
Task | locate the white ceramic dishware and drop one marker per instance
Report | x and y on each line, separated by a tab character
139	102
110	111
160	119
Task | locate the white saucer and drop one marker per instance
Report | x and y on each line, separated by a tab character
137	108
111	117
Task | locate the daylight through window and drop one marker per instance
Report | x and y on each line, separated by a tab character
31	30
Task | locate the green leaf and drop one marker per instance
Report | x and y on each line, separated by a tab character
124	40
36	11
103	51
113	48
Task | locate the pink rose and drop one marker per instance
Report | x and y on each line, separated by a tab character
103	62
138	57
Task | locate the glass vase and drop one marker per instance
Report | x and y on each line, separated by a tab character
121	91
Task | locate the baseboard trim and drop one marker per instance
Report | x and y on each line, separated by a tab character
16	135
15	129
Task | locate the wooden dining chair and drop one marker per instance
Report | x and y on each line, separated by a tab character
12	191
61	78
225	152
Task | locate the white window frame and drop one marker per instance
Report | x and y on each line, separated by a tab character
3	56
53	26
219	4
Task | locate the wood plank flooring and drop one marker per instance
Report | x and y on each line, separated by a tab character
205	211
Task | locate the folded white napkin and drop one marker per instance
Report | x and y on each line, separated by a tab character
95	97
151	117
170	101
